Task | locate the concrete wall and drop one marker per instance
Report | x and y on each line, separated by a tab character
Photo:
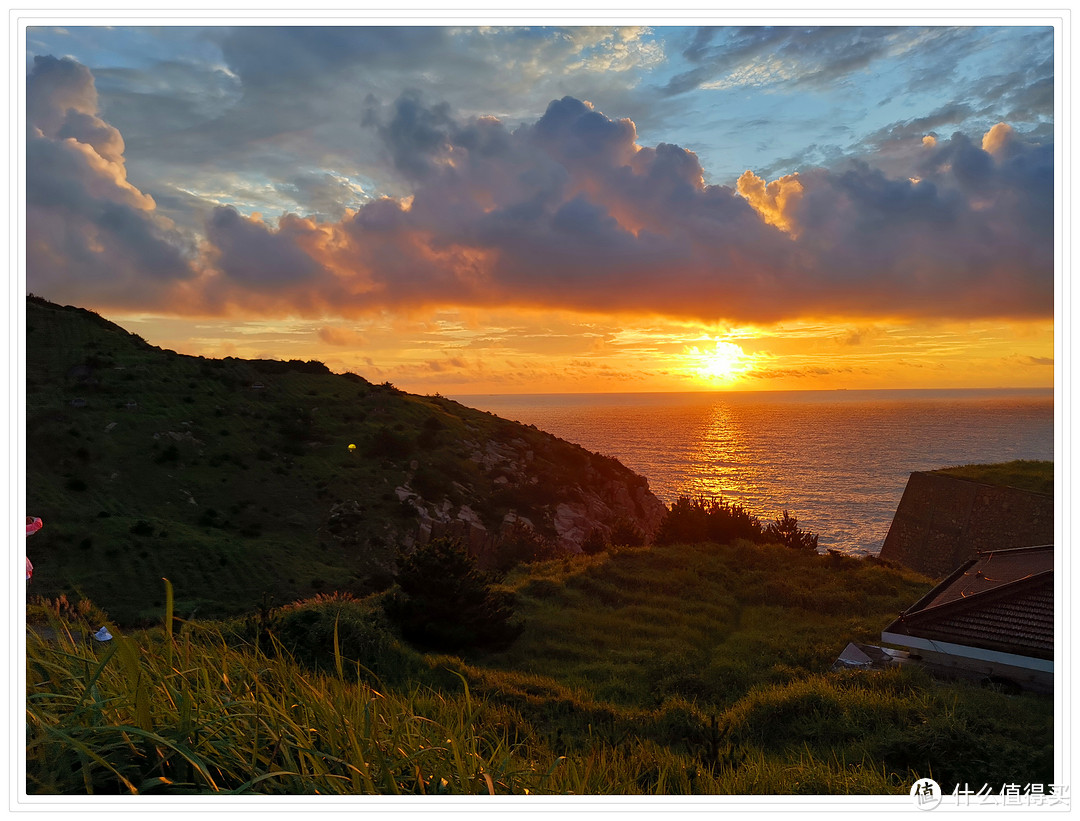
943	521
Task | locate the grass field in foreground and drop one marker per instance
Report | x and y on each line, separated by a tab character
683	669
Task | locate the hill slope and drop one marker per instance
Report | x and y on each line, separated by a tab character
234	478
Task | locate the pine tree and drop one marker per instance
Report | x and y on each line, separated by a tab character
444	602
785	529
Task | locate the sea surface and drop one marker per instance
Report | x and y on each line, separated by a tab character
837	460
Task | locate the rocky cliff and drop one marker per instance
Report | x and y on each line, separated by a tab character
592	496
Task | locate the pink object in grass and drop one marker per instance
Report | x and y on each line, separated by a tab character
33	525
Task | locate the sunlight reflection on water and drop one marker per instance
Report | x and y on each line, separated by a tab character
838	461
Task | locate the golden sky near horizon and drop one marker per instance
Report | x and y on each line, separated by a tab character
454	351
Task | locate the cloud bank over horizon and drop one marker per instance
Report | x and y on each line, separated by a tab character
566	211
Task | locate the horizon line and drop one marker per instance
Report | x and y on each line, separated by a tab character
759	390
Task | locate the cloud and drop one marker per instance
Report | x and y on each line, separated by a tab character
808	57
339	337
1038	360
572	212
263	101
91	234
775	201
811	371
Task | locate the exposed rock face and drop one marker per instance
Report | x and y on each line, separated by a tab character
942	521
600	508
563	495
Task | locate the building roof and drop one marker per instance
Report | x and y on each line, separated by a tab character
1001	600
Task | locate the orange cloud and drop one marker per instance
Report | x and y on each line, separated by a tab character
339	337
997	138
774	201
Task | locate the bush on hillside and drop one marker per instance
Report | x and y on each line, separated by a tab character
627	534
444	602
306	630
624	533
689	521
785	530
595	542
389	444
517	544
707	520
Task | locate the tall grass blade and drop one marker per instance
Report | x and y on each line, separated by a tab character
97	674
337	651
169	617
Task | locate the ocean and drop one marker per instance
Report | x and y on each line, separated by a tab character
837	460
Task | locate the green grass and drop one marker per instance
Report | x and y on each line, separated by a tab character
697	669
1036	476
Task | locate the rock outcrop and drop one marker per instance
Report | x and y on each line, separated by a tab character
564	495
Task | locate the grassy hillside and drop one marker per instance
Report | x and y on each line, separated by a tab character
234	478
1036	476
680	669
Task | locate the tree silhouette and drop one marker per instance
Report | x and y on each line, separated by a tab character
444	602
785	529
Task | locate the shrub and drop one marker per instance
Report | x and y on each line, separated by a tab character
306	630
170	454
594	543
444	602
518	544
785	530
627	534
141	528
389	444
704	520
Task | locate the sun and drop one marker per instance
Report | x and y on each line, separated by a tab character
724	363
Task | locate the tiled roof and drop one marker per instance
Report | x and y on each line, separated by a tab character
990	570
1002	600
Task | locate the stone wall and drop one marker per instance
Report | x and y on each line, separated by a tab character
943	521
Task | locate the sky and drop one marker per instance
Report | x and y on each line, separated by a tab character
467	209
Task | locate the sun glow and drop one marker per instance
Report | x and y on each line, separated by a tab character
724	363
